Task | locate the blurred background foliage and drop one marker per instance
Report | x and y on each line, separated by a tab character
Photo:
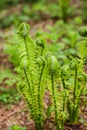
17	11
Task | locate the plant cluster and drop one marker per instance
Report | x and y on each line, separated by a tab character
16	127
8	94
39	68
11	49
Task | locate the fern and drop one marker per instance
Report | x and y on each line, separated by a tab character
53	66
33	66
83	44
57	99
74	81
38	69
74	75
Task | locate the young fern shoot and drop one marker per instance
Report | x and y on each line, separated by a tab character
53	71
75	79
32	65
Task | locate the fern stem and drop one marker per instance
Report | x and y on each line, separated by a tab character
75	84
64	87
41	51
27	79
74	94
26	47
39	96
54	100
64	100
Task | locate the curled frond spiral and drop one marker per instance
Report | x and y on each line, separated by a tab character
52	65
72	64
23	30
40	61
83	31
40	43
65	71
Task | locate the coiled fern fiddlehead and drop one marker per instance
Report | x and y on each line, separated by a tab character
83	31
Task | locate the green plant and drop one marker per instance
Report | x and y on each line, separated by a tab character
64	5
38	68
75	84
33	65
84	10
53	67
16	127
59	108
74	78
5	3
8	94
62	40
11	48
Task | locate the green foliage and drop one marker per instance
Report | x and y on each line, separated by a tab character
74	80
84	10
7	77
39	68
13	19
16	127
11	48
33	66
64	6
5	3
8	95
62	40
57	9
34	10
83	45
53	70
53	67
